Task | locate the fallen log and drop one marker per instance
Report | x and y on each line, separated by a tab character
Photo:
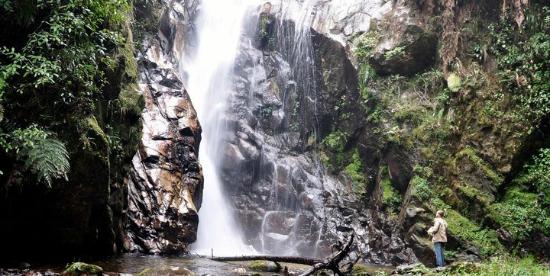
277	259
332	263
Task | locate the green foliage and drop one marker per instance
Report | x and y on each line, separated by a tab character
42	155
48	159
525	206
21	139
63	58
535	175
365	45
524	58
468	231
483	166
335	141
355	170
54	75
421	188
500	266
520	213
395	52
390	196
454	82
6	5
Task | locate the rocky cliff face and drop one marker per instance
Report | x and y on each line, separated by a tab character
287	199
165	183
351	131
345	126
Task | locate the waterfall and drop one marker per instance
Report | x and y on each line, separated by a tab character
209	81
208	71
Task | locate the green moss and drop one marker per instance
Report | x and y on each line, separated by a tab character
131	101
390	196
395	52
356	172
78	268
471	154
145	272
366	44
475	194
454	82
360	270
264	266
535	174
92	136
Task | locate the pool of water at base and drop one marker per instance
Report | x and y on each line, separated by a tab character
131	264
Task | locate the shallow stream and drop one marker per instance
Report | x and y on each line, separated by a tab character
156	265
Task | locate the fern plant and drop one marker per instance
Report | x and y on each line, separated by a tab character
48	159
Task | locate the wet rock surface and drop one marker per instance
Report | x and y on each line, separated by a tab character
406	52
165	184
286	200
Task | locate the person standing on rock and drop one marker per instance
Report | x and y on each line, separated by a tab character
439	237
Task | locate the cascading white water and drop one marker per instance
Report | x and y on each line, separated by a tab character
209	82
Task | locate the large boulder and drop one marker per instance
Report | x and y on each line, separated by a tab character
406	53
165	183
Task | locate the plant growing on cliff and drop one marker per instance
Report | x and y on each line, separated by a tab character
525	206
56	60
44	156
355	171
523	55
48	159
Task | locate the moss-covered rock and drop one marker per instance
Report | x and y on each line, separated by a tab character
80	268
264	266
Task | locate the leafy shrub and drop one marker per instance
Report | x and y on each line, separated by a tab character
56	61
501	266
356	172
335	141
524	58
421	188
42	155
48	159
525	207
390	196
536	176
366	44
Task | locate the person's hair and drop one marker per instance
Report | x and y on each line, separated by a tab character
267	4
440	213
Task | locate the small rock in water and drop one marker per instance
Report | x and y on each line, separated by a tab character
412	268
240	270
